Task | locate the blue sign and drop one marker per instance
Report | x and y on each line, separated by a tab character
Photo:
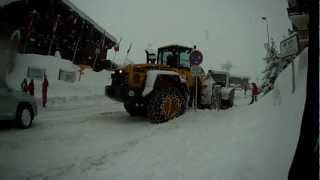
196	58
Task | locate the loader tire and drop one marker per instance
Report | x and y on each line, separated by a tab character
231	100
165	104
231	103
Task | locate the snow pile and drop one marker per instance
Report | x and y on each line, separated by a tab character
91	83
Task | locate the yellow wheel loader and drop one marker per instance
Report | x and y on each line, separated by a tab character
158	90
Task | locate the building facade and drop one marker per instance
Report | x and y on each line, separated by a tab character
298	12
56	27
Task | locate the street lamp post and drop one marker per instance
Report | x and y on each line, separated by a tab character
268	36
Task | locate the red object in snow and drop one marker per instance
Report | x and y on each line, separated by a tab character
255	90
45	85
31	88
116	48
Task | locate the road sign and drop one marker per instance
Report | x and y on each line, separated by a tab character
196	57
197	71
289	46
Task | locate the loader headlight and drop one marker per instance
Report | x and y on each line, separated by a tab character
120	71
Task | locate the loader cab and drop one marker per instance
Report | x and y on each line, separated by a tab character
174	56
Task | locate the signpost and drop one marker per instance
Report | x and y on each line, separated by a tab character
197	71
290	47
196	59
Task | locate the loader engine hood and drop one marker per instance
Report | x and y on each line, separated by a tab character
139	68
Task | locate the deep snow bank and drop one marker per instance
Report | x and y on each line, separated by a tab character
91	83
264	136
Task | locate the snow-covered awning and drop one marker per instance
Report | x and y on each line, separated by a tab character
5	2
83	15
80	13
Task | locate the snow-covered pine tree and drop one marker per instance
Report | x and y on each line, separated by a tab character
272	69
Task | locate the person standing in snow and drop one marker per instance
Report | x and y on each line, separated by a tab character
254	93
24	85
45	85
31	88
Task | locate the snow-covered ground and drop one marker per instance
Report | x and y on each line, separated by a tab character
97	139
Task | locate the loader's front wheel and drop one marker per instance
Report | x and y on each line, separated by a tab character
165	104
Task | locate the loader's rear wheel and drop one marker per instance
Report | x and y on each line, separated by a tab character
231	103
134	109
225	104
231	100
165	104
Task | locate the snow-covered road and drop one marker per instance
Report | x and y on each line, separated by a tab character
100	141
93	140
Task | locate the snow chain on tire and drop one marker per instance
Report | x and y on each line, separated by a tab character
165	104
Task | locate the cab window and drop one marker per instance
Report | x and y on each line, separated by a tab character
184	59
164	56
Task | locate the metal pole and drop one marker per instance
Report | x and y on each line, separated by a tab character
268	36
293	77
99	49
75	50
95	60
196	95
54	30
29	30
114	55
50	45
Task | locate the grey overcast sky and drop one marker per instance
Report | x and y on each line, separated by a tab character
224	30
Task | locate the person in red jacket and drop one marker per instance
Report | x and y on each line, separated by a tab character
45	86
31	88
24	85
254	93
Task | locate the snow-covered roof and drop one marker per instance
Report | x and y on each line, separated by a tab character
172	45
83	15
76	9
150	50
5	2
218	72
239	76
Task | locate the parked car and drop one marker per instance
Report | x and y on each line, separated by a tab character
17	106
222	78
